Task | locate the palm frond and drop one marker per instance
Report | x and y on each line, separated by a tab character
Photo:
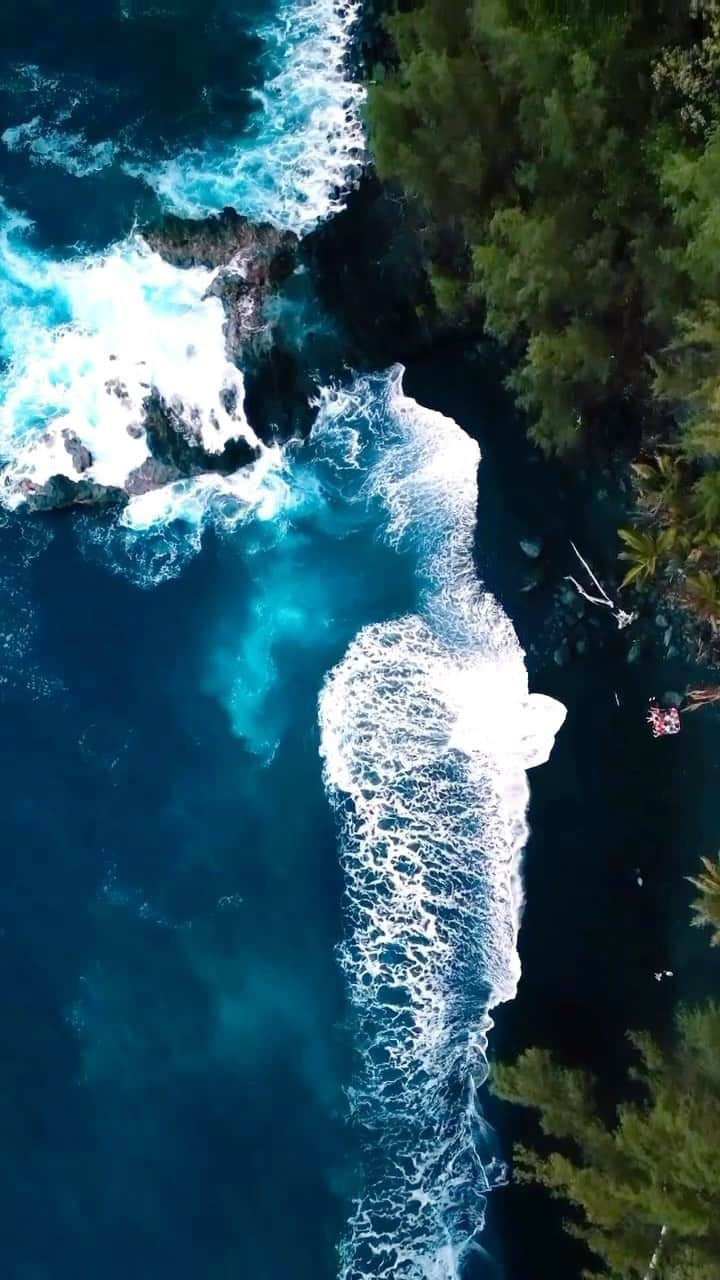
706	907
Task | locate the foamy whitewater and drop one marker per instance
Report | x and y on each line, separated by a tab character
427	730
292	166
85	338
293	171
427	725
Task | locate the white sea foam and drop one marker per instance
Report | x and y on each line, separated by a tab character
48	144
427	728
305	143
159	532
86	339
260	490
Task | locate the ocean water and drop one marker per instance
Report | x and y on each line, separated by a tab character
265	736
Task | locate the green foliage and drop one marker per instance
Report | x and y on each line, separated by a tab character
575	150
661	486
423	118
519	124
654	1167
706	906
645	550
448	289
703	593
690	76
689	374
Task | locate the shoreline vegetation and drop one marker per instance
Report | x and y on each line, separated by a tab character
563	164
559	168
642	1178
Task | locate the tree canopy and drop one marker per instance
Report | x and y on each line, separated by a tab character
706	906
646	1182
569	158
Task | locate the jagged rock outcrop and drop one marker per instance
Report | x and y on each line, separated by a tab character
365	268
60	492
214	241
253	257
250	261
177	450
81	456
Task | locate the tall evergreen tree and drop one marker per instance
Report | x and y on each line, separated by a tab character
645	1186
567	157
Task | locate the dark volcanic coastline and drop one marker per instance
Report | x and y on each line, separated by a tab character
617	818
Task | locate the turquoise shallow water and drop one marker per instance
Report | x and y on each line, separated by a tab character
264	737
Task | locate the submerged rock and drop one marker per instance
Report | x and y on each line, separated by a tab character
562	654
368	267
635	651
531	547
279	392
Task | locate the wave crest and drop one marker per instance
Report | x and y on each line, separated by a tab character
294	165
427	727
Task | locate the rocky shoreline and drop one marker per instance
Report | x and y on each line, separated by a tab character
364	268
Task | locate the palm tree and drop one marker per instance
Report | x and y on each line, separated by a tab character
644	549
706	500
707	905
703	594
660	486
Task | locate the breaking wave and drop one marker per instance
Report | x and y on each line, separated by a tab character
302	145
427	728
306	145
427	725
84	340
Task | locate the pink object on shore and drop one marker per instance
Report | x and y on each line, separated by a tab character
663	720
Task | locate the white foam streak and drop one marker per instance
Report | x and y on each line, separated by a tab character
427	728
48	144
306	143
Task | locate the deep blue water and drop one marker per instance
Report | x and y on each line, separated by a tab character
264	738
173	1050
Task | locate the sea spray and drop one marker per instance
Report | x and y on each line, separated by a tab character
304	147
87	336
85	340
427	725
427	728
